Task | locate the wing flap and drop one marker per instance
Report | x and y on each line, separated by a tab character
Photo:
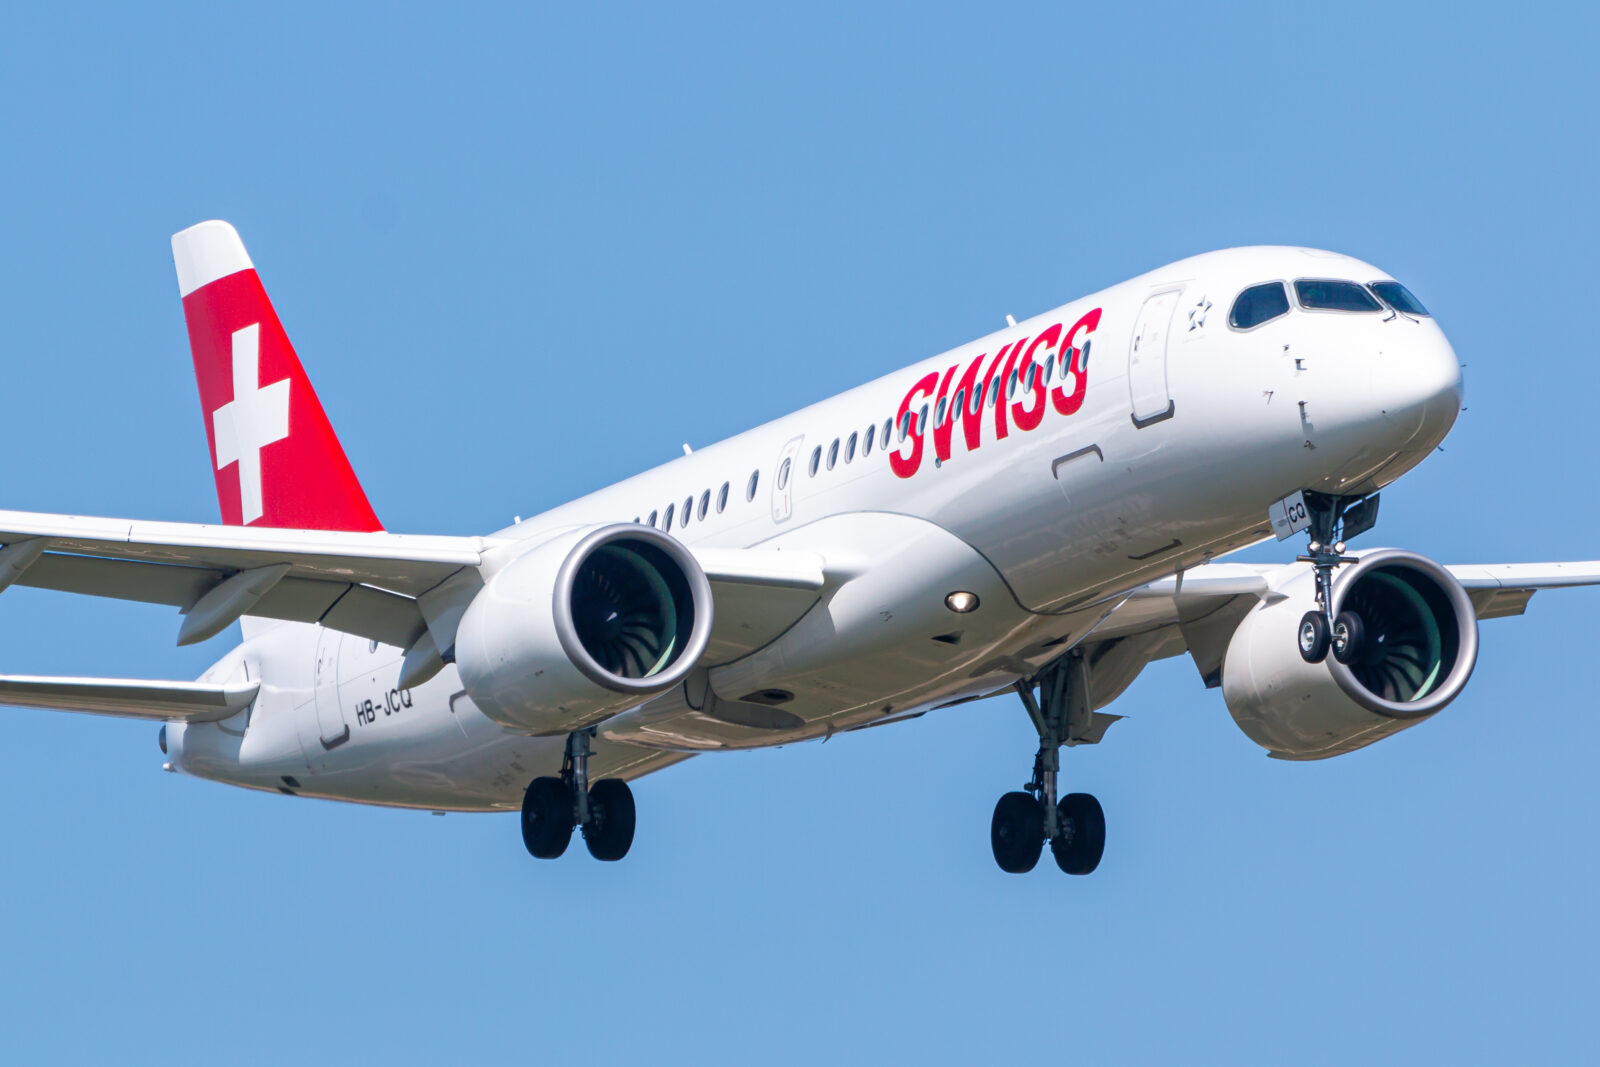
129	698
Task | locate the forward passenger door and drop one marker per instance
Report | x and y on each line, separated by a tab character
1148	392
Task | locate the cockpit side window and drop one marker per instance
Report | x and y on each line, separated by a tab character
1258	304
1325	294
1399	297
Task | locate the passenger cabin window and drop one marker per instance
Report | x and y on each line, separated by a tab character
850	449
1320	294
1399	297
888	429
666	519
722	498
816	461
783	478
705	505
866	442
833	453
1258	304
652	519
688	509
750	490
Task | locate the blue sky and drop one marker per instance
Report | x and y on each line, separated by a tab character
524	253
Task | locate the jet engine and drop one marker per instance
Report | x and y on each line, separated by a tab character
583	626
1419	646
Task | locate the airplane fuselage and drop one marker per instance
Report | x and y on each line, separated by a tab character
1046	470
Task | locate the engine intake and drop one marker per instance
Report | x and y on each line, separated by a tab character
1419	647
582	627
1421	639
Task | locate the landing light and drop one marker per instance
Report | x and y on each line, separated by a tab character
961	602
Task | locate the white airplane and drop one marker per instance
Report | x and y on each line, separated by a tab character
1036	511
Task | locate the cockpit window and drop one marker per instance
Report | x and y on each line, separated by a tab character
1399	297
1258	304
1322	294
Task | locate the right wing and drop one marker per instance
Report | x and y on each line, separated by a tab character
367	584
362	583
129	698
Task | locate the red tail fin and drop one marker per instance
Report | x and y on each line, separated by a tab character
275	455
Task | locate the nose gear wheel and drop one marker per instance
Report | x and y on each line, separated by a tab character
1334	519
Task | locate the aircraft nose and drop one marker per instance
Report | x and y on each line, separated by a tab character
1418	385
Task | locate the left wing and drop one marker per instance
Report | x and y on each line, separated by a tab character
1197	611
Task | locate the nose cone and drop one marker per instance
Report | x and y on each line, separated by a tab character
1417	384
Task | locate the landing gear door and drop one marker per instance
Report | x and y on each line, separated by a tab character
1147	360
331	725
783	479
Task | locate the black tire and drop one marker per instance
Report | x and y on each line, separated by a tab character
1016	833
1349	637
546	818
609	833
1081	839
1314	637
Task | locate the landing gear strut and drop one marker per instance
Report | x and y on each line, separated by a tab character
1334	520
1075	826
551	807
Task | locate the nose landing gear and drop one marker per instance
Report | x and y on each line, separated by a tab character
1334	520
1075	826
552	807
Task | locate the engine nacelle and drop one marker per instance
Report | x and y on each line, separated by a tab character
1420	645
582	627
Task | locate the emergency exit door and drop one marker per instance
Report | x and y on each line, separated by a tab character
331	724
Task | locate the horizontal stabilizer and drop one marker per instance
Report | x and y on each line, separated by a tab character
129	698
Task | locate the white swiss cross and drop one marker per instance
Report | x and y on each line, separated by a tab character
256	416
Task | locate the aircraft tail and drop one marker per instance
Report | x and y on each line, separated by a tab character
275	456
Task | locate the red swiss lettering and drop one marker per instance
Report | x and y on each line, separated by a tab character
1032	377
1077	371
906	465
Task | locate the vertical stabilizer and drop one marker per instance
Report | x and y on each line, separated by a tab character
275	456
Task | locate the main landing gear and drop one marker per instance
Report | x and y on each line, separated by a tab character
1334	520
551	807
1074	826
